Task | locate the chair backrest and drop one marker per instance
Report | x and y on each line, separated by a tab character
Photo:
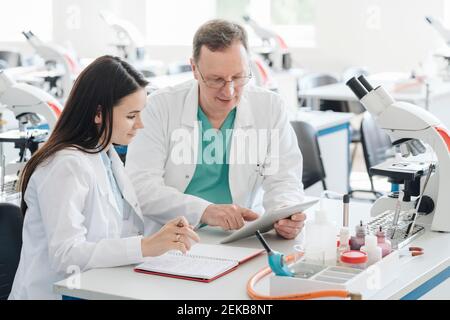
376	143
314	80
10	59
351	72
11	223
313	170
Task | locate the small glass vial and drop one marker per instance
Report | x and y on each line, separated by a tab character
343	243
358	241
354	259
383	243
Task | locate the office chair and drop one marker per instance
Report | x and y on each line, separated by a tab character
376	145
10	59
314	80
11	222
313	170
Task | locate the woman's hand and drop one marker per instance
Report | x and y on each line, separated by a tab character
177	234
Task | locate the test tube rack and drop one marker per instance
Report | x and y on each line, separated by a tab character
398	236
310	278
9	192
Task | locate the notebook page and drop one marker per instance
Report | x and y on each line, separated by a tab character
187	265
216	251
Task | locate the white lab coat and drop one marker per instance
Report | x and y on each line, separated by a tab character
73	224
160	179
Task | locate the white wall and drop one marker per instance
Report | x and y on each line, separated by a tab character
78	22
348	32
380	34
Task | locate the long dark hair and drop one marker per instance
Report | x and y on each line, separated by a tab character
99	87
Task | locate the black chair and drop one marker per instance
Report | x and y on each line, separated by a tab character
376	146
313	170
11	223
314	80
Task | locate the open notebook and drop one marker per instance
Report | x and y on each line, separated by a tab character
204	262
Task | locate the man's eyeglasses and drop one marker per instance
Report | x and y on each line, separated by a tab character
219	83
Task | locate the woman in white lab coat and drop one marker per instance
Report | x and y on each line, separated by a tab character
80	209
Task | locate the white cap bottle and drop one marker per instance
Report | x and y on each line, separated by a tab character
372	249
320	239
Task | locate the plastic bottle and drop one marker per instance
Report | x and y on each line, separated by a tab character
344	238
383	243
320	239
372	249
358	241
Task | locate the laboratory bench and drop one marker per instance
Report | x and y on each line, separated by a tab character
433	95
418	277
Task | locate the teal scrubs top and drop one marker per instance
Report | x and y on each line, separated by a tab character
210	180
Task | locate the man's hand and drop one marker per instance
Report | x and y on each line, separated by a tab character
289	228
227	216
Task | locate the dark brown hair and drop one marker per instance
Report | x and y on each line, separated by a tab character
99	87
218	35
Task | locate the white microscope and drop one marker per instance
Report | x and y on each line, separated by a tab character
407	123
445	35
274	50
62	66
30	105
131	45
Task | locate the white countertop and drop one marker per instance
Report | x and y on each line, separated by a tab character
413	94
124	283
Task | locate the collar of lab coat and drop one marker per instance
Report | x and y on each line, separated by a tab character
123	182
244	116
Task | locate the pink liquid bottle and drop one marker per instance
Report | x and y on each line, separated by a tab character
359	240
383	243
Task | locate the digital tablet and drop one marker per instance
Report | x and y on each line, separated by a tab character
266	221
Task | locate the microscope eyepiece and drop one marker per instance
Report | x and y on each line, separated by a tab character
357	88
365	83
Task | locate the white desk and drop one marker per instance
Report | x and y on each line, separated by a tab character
438	100
124	283
334	139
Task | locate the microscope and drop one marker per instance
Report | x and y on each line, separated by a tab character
30	105
61	67
409	127
131	45
444	33
274	51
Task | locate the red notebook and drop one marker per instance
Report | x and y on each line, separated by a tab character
204	262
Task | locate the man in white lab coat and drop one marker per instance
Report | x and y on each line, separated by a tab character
214	147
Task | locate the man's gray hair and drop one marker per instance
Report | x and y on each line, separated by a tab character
218	35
